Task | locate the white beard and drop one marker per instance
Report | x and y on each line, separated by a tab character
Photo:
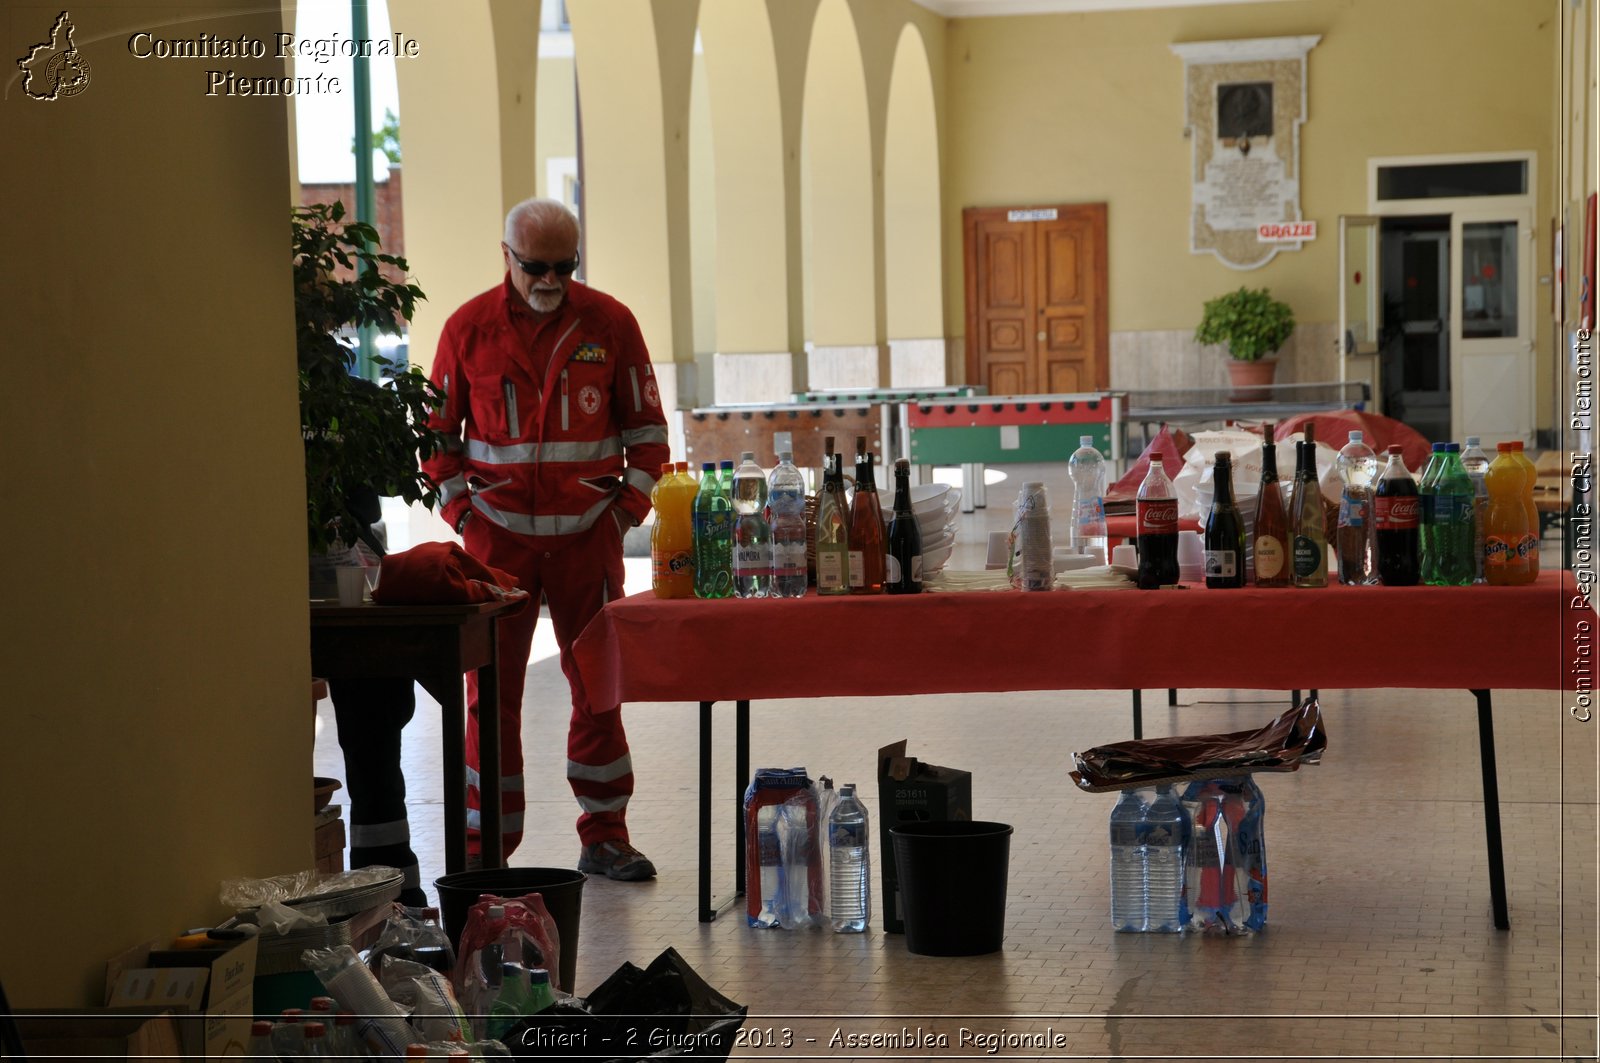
545	302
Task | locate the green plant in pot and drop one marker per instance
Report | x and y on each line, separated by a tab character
1251	324
362	439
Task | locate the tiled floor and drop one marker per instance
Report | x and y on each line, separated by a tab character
1379	944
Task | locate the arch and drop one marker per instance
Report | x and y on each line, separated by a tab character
836	204
913	249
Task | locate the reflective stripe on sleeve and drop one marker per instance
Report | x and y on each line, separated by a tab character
452	488
623	765
640	479
651	433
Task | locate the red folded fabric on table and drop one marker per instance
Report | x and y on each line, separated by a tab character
443	574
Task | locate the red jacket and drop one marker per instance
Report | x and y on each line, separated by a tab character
545	454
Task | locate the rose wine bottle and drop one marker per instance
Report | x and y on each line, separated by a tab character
1272	522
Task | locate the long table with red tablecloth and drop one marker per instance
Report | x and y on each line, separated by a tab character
635	650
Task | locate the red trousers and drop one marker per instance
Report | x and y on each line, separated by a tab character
575	579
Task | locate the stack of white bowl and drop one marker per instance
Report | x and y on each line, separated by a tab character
937	509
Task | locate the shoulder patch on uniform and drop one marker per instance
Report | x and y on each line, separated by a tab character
589	352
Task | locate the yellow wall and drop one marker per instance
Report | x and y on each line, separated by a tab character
158	727
555	129
1090	108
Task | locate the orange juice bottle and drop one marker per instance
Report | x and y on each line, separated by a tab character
1505	521
672	536
1529	547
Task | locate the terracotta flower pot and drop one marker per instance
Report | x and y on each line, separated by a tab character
1252	381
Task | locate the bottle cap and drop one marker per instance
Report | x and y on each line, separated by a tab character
538	975
1356	436
1086	441
1395	449
726	463
1224	457
1452	448
1504	448
261	1028
1438	448
1474	441
497	911
747	455
785	456
1516	444
708	466
683	466
666	468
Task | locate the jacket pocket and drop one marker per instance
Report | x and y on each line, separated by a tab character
513	421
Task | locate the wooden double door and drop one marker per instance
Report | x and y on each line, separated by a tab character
1036	299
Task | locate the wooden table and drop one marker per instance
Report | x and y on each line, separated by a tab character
434	645
1084	640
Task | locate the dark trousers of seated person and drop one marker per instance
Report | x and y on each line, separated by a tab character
371	713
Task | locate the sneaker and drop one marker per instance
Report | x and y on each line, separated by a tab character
617	860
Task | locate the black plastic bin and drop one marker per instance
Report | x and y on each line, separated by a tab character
560	887
953	885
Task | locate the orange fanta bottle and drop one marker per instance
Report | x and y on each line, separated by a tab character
672	535
1529	546
1505	560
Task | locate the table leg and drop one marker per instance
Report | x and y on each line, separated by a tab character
453	709
1294	699
1172	698
489	798
1491	811
741	779
707	912
1138	714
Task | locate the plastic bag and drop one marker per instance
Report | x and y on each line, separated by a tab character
800	904
436	1015
414	934
666	1006
525	934
382	1025
1296	737
275	917
241	893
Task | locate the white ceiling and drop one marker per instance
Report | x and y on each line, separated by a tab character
987	8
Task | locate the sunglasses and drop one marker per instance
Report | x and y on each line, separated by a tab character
535	268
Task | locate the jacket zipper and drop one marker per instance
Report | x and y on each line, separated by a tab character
564	400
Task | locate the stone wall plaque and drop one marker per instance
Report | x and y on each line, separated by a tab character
1246	100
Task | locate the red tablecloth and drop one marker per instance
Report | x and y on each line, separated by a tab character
642	648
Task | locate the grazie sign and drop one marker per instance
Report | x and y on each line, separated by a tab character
1286	231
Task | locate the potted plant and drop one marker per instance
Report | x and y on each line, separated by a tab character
1252	324
361	438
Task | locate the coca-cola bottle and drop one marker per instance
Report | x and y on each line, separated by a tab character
1157	515
1397	512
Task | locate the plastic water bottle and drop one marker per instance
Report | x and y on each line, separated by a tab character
752	535
1127	863
1355	540
786	506
850	863
1476	463
1088	471
1166	842
769	858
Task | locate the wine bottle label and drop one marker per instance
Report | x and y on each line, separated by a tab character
1308	555
858	569
1157	516
895	572
891	572
1222	563
916	569
830	570
1269	556
1397	512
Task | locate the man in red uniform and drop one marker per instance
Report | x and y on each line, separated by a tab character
559	434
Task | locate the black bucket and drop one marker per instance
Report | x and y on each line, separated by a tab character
953	885
560	887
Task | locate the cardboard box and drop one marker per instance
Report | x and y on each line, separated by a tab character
211	990
910	791
328	841
101	1034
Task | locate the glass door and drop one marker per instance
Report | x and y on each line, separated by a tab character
1491	324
